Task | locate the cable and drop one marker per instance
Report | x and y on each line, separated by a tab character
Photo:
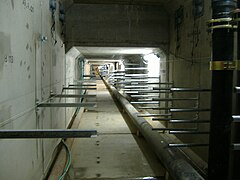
68	162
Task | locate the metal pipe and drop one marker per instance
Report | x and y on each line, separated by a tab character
46	133
172	158
221	95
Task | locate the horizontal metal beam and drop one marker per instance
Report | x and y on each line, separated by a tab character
152	115
76	88
189	132
237	89
136	87
174	129
187	145
170	120
146	95
183	89
73	85
236	118
151	102
176	109
150	92
72	96
174	99
188	121
46	133
236	147
54	104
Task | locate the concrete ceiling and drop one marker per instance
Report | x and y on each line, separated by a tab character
126	2
113	53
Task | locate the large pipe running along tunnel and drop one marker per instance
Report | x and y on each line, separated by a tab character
119	89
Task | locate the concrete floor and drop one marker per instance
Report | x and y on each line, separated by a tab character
116	153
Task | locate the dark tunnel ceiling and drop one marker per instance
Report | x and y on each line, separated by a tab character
127	2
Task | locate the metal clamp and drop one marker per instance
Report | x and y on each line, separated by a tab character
223	65
220	23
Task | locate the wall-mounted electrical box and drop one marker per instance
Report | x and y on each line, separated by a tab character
53	5
198	8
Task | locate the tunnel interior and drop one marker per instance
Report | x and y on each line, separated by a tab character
130	88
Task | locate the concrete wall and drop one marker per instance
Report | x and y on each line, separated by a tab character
189	64
29	70
116	25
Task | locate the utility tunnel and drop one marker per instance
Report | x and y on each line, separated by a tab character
123	89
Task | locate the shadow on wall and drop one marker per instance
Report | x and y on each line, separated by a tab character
5	50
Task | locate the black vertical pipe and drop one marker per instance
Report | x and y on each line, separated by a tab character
221	100
236	127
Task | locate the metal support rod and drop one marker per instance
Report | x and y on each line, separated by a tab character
187	145
188	121
174	129
221	94
152	115
138	102
54	104
150	92
183	89
72	96
174	99
236	118
236	147
46	133
136	87
146	95
76	88
189	132
181	120
73	85
177	109
173	159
